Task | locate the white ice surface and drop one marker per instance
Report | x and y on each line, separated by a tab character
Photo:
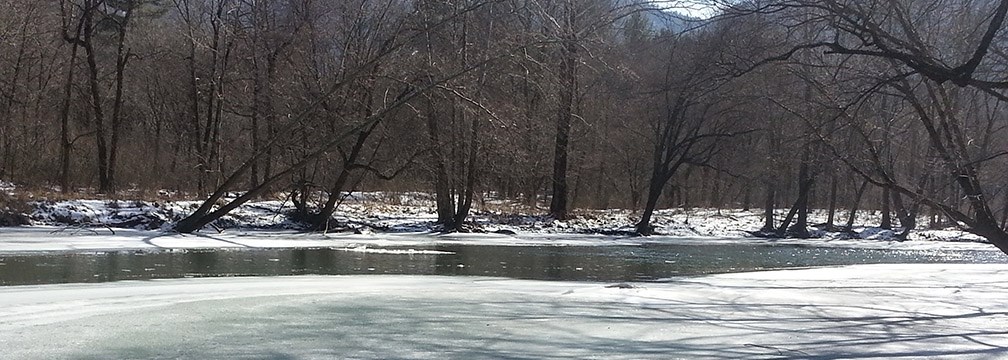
43	238
863	311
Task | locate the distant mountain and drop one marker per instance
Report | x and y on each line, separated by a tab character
663	20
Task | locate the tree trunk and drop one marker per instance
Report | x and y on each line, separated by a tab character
442	187
661	173
193	131
104	184
715	195
831	212
805	181
746	197
907	217
203	215
321	220
768	208
465	201
122	58
568	90
257	90
269	114
854	206
934	220
800	228
886	212
658	180
8	163
214	99
65	144
703	196
783	229
324	216
1004	212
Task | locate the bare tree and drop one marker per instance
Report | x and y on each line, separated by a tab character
691	113
390	43
907	40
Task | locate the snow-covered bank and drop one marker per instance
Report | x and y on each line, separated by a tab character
43	238
412	212
407	219
866	311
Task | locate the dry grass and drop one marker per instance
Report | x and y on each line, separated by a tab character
50	194
14	210
14	203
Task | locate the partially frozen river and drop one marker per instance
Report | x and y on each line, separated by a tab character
573	263
933	309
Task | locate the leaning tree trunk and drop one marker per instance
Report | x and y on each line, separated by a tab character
206	214
800	207
321	220
800	228
796	209
654	192
854	206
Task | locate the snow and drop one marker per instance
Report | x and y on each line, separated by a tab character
366	250
863	311
7	187
47	238
411	211
382	219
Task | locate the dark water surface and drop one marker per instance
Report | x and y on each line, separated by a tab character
576	263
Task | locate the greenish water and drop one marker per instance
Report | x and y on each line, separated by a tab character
573	263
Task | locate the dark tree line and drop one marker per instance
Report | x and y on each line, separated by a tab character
890	106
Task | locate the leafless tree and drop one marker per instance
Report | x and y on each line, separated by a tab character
911	41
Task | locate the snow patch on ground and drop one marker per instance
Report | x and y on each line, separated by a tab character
385	217
107	213
7	187
863	311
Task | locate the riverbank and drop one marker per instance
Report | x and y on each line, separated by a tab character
407	219
863	311
49	238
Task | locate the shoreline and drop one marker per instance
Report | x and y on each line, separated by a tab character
26	239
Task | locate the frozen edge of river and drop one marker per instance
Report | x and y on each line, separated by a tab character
43	238
860	311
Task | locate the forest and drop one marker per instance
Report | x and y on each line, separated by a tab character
891	105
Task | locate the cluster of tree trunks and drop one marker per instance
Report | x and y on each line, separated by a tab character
571	103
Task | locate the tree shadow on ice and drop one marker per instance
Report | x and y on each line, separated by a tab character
741	325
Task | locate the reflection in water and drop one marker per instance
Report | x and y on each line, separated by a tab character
610	263
202	261
111	267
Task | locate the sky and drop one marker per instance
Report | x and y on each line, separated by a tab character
694	8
